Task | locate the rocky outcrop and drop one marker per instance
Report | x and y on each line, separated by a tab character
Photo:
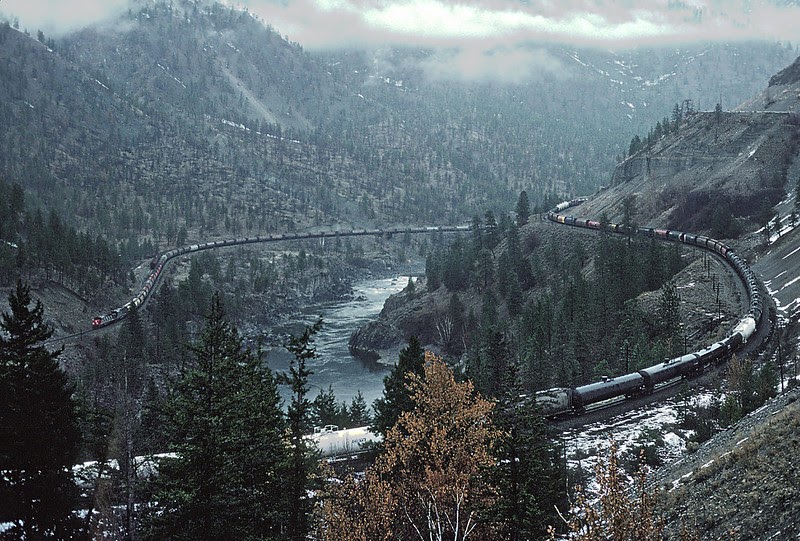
373	336
404	315
787	76
736	159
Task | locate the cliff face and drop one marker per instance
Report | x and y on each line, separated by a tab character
787	76
782	93
732	162
715	168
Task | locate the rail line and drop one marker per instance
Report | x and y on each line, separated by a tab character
159	262
563	400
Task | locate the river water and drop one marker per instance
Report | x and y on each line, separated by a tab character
335	366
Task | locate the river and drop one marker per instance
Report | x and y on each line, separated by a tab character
335	366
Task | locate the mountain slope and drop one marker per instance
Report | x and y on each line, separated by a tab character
198	117
714	165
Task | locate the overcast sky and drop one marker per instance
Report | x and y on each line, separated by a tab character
480	35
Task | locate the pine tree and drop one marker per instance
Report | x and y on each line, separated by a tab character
359	411
39	435
226	429
530	474
523	209
301	460
396	396
324	409
669	316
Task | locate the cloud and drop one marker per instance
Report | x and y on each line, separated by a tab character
472	39
500	63
621	23
62	16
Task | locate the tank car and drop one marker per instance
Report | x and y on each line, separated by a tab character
331	441
627	385
554	401
671	369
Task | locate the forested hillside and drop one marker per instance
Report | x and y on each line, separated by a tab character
531	294
186	120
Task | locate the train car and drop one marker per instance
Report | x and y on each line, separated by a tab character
334	442
712	353
102	321
745	328
679	367
554	401
627	385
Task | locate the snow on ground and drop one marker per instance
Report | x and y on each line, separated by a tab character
631	431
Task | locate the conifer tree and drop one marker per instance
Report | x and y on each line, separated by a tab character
39	435
530	474
301	460
226	430
359	411
324	408
523	209
396	396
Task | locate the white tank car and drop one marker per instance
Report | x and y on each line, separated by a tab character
332	442
746	328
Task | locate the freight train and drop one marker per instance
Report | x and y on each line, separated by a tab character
158	263
574	400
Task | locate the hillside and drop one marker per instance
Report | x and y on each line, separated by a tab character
206	105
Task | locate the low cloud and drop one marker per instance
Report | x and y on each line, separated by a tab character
337	23
62	16
501	63
497	38
472	39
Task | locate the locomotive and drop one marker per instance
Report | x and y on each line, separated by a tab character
574	400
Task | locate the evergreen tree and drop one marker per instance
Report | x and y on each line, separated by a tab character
669	316
432	272
531	473
226	430
301	460
39	435
523	209
324	409
484	269
396	396
359	411
491	234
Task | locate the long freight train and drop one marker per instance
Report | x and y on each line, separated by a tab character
566	400
158	263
